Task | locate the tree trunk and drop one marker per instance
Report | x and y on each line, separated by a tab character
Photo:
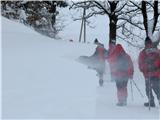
145	19
53	10
112	28
155	15
113	21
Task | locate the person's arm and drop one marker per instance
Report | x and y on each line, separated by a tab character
141	61
157	61
131	67
95	53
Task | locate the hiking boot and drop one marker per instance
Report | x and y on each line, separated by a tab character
121	104
101	82
152	104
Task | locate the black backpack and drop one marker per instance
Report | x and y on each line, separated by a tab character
151	55
122	62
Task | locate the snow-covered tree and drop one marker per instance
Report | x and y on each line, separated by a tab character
41	15
10	9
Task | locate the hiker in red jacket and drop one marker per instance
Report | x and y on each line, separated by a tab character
149	65
121	70
98	59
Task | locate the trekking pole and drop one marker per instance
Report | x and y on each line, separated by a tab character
149	82
131	88
138	89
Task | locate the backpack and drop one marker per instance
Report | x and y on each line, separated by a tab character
123	62
151	56
106	53
103	51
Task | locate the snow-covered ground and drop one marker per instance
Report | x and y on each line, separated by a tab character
0	68
41	79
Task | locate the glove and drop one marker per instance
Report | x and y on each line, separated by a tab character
131	77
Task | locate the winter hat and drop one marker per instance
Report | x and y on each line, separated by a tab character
148	41
96	41
119	48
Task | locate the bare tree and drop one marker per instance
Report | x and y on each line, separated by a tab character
111	8
127	17
143	16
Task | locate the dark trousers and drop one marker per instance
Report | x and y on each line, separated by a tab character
154	85
121	84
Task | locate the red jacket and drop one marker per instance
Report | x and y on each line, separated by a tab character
114	59
143	66
101	51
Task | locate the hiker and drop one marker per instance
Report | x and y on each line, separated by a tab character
121	70
98	59
149	65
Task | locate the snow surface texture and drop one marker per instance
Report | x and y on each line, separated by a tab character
41	79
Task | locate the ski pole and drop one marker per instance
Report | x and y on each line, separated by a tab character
149	82
138	89
131	89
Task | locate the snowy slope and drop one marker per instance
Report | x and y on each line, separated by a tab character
0	66
41	79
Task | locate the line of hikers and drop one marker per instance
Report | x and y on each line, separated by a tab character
121	67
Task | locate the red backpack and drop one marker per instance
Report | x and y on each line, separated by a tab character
151	55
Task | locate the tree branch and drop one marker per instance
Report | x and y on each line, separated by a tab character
102	7
134	24
130	43
121	8
136	5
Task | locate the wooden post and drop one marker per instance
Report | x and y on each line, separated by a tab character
84	25
81	31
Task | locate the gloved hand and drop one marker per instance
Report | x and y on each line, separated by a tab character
131	77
